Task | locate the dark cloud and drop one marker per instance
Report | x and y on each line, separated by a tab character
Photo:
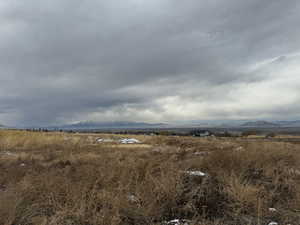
66	60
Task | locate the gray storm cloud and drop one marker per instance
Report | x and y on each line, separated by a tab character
69	60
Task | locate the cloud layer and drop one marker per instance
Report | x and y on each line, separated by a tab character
161	60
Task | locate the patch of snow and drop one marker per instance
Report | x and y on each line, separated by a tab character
273	223
196	173
156	150
272	210
240	149
205	134
101	140
201	153
8	153
295	172
133	198
129	141
177	222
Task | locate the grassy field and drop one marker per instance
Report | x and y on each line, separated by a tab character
58	178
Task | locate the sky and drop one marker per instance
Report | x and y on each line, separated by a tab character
63	61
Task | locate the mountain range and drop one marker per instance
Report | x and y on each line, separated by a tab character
293	123
93	125
239	123
109	125
260	124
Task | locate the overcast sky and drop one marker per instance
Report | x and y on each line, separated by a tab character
63	61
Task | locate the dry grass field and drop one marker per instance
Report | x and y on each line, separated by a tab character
64	179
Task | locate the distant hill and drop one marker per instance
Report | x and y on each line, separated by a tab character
293	123
108	125
259	124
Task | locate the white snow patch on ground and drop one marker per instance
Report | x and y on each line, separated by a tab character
201	153
99	140
8	153
272	210
240	149
177	222
294	172
196	173
103	140
273	223
129	141
132	198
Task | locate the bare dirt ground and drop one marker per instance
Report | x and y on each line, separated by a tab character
59	178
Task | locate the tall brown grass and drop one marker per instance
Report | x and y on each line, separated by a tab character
54	178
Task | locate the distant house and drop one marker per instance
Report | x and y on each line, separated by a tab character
201	133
